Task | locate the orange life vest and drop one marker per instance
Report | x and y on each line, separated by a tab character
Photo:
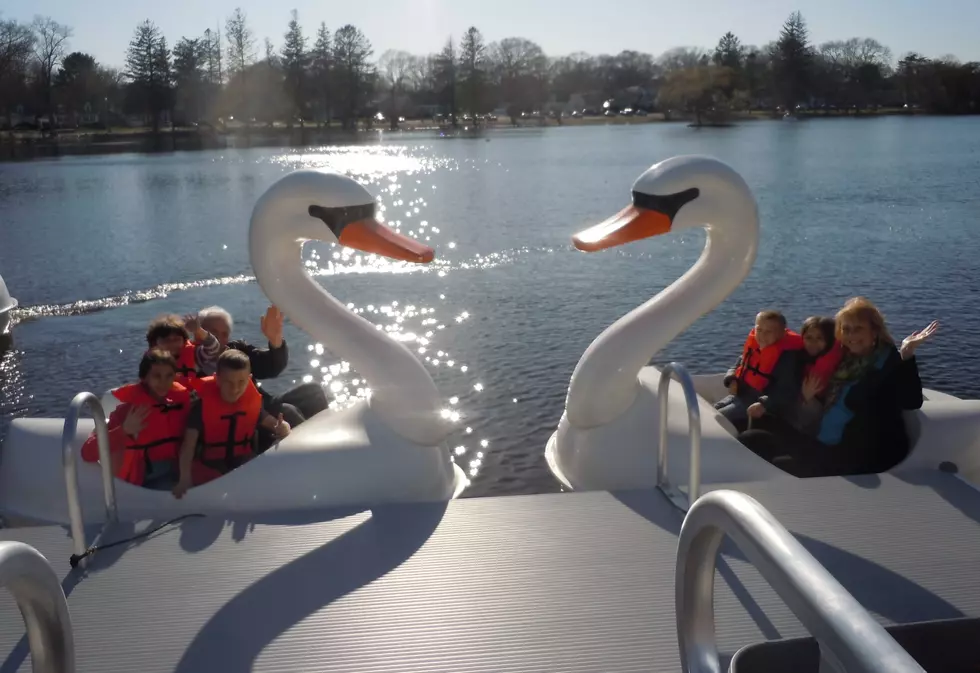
228	430
756	365
187	366
160	438
825	365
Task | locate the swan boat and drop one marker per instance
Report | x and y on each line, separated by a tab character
7	305
606	437
387	448
872	574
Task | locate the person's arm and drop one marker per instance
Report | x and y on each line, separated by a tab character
784	390
267	363
117	436
906	385
730	374
192	432
275	424
207	351
808	414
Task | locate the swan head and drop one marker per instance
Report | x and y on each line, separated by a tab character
682	192
315	204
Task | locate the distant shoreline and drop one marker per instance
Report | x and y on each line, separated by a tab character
20	145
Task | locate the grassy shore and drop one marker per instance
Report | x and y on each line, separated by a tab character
264	134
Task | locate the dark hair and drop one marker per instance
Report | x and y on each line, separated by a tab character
163	326
827	327
772	315
156	356
232	360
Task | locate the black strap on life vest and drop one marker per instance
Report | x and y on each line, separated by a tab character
164	407
748	367
228	462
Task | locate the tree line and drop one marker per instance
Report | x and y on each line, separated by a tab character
329	76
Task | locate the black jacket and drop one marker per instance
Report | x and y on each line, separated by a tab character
875	439
267	363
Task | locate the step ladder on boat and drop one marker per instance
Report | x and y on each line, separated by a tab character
849	639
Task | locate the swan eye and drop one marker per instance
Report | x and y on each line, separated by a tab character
338	218
667	205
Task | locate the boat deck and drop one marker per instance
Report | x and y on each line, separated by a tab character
564	583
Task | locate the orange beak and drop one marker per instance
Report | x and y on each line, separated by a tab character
374	237
628	225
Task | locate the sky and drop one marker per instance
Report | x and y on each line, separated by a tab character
935	28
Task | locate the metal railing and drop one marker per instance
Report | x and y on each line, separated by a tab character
850	640
677	370
68	461
37	590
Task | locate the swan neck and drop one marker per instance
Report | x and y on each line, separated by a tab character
604	384
403	394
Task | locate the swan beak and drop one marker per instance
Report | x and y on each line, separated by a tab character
374	237
628	225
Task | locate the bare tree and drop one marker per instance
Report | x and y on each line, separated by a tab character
682	58
394	66
16	47
50	47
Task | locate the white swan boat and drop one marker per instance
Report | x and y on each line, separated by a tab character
389	448
606	438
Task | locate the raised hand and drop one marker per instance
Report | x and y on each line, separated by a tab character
812	385
916	339
281	428
135	420
271	324
192	323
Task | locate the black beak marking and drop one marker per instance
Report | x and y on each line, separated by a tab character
668	205
338	218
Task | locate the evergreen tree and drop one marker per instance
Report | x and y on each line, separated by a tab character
295	61
148	69
447	65
473	71
792	59
729	52
321	70
190	75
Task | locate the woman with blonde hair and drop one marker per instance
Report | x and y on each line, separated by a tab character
861	429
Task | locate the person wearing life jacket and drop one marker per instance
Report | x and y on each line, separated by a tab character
146	428
222	423
793	396
859	427
174	334
297	404
767	357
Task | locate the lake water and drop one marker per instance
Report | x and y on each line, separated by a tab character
97	246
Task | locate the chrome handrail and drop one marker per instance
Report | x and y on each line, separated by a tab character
675	369
31	580
850	640
68	461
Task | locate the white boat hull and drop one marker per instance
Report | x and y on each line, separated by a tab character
336	458
613	457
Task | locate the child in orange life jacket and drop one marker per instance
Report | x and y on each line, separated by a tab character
146	429
221	425
174	334
800	405
766	357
